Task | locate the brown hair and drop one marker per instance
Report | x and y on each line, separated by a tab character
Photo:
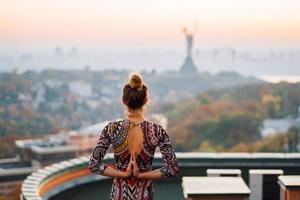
135	92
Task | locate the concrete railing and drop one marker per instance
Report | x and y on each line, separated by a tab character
51	180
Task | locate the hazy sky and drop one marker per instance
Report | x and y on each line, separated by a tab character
148	24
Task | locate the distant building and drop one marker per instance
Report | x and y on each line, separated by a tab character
80	88
12	174
62	146
273	126
296	122
73	52
295	143
58	51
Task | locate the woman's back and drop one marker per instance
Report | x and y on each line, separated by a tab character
151	133
135	138
116	133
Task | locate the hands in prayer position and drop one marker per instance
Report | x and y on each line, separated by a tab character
132	168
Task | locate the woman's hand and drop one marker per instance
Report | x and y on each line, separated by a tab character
132	168
136	172
129	170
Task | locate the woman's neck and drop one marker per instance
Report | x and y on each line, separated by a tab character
135	115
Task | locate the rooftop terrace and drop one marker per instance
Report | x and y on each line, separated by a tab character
72	180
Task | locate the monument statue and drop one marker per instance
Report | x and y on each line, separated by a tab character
189	41
188	66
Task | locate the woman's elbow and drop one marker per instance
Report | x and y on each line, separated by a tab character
172	171
97	168
91	168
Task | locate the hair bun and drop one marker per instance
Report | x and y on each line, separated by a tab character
136	81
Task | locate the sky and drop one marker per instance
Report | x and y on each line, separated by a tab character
35	24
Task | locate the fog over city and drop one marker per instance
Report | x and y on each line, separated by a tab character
257	62
252	37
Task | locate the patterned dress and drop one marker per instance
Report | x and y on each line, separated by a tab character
116	133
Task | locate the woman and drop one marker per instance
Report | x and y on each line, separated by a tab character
134	140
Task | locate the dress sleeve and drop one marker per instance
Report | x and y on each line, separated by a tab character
170	167
95	164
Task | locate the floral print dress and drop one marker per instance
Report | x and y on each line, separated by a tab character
116	133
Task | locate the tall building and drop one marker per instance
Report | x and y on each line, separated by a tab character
12	173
